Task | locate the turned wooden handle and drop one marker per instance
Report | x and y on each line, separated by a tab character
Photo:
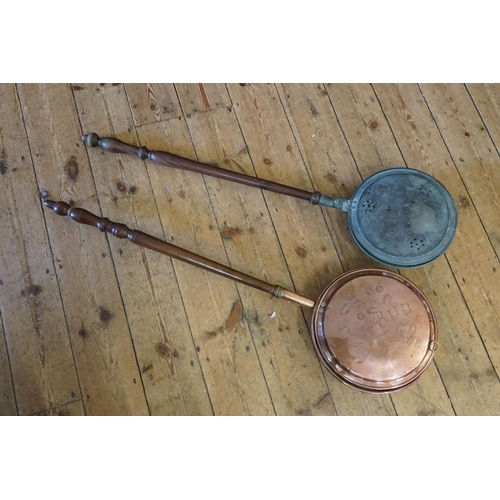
174	161
83	216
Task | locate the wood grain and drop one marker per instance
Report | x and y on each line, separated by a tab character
471	149
112	329
373	147
7	396
40	353
310	255
213	305
470	257
486	97
322	152
328	157
151	102
295	380
169	363
104	355
477	162
75	409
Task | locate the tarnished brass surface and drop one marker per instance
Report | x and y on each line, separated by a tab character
374	330
294	297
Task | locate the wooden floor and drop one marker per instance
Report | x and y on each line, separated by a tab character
94	325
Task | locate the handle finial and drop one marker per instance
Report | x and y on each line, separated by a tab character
59	207
115	146
170	160
91	139
147	241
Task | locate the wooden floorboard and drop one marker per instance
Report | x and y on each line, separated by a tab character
8	404
173	383
294	377
220	330
467	369
324	142
36	334
93	325
97	323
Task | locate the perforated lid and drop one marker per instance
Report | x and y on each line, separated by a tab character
402	217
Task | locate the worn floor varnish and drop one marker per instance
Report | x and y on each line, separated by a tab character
92	325
174	384
96	319
35	328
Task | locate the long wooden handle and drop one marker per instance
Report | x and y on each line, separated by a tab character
174	161
145	240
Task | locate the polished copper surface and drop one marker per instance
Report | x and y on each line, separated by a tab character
374	330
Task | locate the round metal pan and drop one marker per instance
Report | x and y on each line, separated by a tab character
400	217
372	329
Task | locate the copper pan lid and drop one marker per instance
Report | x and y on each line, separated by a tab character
374	330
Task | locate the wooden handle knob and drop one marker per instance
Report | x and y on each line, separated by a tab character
59	207
83	216
174	161
147	241
115	146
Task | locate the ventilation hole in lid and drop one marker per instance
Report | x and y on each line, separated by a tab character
369	206
425	190
417	243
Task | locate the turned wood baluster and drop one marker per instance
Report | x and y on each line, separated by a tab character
174	161
83	216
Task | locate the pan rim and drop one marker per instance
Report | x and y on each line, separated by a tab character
342	373
392	260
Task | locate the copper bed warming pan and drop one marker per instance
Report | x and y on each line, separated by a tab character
372	329
400	217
